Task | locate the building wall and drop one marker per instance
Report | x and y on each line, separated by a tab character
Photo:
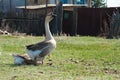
9	5
34	2
52	1
71	2
6	5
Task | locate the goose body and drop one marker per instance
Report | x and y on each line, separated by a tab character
38	51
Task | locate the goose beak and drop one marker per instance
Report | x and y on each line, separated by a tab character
54	15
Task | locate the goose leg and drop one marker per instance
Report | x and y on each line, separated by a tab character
40	61
35	61
49	56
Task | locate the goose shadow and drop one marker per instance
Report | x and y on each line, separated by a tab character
10	65
13	65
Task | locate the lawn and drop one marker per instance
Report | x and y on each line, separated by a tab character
75	58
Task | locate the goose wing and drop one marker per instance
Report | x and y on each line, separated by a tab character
45	51
38	46
38	50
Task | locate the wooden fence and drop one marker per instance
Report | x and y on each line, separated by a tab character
34	24
90	21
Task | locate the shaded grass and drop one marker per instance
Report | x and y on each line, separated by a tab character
75	58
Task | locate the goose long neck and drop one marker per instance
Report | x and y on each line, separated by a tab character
47	31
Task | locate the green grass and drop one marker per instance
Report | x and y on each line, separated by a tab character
75	58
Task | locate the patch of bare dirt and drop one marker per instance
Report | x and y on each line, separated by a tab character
111	71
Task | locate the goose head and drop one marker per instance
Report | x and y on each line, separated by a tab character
50	16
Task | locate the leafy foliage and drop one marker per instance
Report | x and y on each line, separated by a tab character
99	3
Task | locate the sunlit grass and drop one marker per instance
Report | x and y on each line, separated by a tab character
75	58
